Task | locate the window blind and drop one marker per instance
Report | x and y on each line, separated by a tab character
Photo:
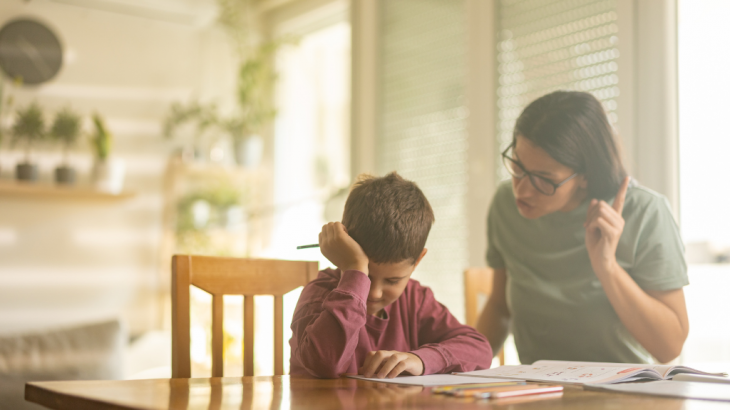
548	45
423	120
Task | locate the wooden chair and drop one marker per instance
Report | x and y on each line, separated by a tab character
232	276
478	281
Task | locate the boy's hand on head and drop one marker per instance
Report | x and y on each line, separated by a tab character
337	246
386	363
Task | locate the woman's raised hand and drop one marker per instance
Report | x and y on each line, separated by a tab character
604	225
339	247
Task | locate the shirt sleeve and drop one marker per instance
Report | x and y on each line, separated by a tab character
327	330
445	345
659	252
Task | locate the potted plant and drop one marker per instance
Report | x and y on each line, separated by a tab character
108	173
66	129
29	128
203	117
256	78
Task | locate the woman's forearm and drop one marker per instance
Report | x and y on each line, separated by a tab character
657	320
494	325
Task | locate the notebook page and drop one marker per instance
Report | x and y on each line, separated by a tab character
664	370
566	372
601	364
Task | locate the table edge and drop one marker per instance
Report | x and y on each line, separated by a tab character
61	401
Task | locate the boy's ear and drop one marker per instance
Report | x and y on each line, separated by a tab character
423	253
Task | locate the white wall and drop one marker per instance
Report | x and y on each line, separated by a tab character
68	261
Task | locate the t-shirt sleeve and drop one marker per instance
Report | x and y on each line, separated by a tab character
494	256
659	259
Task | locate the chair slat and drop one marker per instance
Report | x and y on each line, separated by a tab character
217	339
248	339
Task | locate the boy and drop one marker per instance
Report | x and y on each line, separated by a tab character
368	316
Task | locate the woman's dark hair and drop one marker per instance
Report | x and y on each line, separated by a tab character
572	127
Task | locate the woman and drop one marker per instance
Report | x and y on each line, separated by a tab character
588	265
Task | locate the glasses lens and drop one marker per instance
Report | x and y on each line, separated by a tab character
512	167
542	185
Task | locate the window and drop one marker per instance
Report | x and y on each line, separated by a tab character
703	147
311	147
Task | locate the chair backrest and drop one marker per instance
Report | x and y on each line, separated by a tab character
478	281
232	276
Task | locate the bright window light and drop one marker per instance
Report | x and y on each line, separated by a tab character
704	86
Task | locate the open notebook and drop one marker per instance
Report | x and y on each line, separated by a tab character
586	372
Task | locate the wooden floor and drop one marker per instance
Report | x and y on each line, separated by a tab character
286	392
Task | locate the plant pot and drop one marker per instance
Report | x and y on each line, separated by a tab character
249	151
65	175
26	172
108	175
188	153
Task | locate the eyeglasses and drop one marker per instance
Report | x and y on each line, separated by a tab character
517	170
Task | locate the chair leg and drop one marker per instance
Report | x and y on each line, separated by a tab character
278	335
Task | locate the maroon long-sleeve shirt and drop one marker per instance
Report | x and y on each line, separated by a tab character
332	332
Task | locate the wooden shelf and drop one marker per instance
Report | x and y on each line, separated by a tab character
204	170
43	190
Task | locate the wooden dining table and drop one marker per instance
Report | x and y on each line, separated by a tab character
290	392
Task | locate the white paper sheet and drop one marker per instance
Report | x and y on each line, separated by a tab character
435	380
684	377
687	390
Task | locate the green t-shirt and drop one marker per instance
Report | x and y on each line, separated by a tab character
558	308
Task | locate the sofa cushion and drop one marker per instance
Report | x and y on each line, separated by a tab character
89	352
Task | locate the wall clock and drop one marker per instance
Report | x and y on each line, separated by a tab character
29	51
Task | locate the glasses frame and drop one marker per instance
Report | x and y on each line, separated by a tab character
506	158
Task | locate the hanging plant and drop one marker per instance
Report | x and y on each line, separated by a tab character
255	81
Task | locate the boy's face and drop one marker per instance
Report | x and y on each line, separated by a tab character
388	281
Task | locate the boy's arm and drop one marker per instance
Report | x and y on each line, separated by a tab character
327	331
445	345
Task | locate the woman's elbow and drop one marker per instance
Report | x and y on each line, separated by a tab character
667	356
671	350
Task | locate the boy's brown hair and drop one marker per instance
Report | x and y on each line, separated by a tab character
389	217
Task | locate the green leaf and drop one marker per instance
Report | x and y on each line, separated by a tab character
29	126
66	127
101	139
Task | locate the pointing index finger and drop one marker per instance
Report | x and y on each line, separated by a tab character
618	203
